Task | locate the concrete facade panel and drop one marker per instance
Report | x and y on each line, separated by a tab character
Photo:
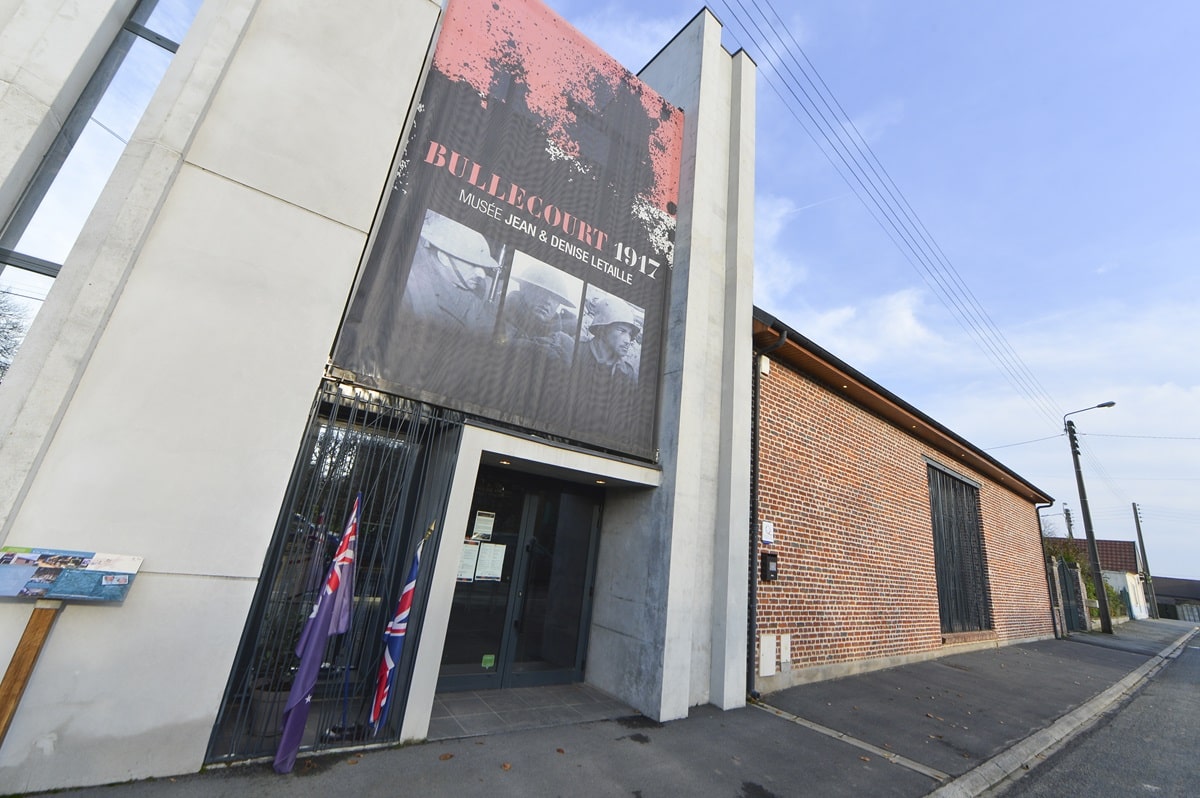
214	351
99	709
313	104
54	355
675	529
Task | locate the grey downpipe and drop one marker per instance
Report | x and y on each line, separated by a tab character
1060	629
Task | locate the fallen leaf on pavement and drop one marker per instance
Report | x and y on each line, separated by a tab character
444	757
506	766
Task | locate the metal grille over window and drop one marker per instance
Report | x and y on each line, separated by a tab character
958	553
400	454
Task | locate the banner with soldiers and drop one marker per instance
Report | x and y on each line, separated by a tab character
521	263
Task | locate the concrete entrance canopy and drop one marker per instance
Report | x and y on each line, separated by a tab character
487	447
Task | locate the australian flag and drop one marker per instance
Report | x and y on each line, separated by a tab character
330	616
393	646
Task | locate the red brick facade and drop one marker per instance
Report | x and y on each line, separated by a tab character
848	495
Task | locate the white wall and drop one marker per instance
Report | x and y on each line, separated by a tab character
157	405
1132	584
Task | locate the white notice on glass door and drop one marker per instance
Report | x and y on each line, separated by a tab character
484	523
466	565
491	562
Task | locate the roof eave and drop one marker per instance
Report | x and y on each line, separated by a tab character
806	357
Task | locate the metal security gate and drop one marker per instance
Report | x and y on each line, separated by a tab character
958	553
400	454
1074	607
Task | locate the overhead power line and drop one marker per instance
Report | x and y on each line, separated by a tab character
1143	437
793	78
1022	443
10	292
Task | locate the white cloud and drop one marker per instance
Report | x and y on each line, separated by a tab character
778	271
884	329
893	338
632	39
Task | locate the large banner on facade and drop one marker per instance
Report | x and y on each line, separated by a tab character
519	270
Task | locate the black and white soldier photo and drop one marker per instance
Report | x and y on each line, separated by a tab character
538	329
452	278
607	361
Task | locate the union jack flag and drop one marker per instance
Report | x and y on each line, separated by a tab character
393	639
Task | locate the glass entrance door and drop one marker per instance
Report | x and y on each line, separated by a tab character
522	601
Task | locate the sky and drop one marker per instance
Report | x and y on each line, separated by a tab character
1049	149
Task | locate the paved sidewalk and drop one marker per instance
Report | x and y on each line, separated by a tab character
952	726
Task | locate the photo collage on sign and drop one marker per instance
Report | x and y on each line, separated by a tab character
33	573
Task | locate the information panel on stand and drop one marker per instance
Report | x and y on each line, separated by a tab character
37	573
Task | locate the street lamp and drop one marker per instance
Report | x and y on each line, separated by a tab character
1093	553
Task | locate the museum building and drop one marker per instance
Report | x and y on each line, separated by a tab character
453	285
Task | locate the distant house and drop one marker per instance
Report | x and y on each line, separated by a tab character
1178	598
883	536
1122	570
1115	555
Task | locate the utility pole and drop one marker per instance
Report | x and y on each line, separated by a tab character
1093	553
1153	597
1067	513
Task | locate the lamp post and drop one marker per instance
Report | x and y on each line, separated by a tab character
1093	553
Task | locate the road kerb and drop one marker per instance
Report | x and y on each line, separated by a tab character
1025	754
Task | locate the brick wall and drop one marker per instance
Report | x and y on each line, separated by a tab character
848	495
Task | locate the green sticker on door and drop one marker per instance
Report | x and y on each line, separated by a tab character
489	661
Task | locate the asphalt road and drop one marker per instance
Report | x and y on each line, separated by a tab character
1144	746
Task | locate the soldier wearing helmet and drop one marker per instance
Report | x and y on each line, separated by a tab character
614	328
539	320
451	279
605	388
540	307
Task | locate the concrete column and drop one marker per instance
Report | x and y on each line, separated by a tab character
669	625
730	576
